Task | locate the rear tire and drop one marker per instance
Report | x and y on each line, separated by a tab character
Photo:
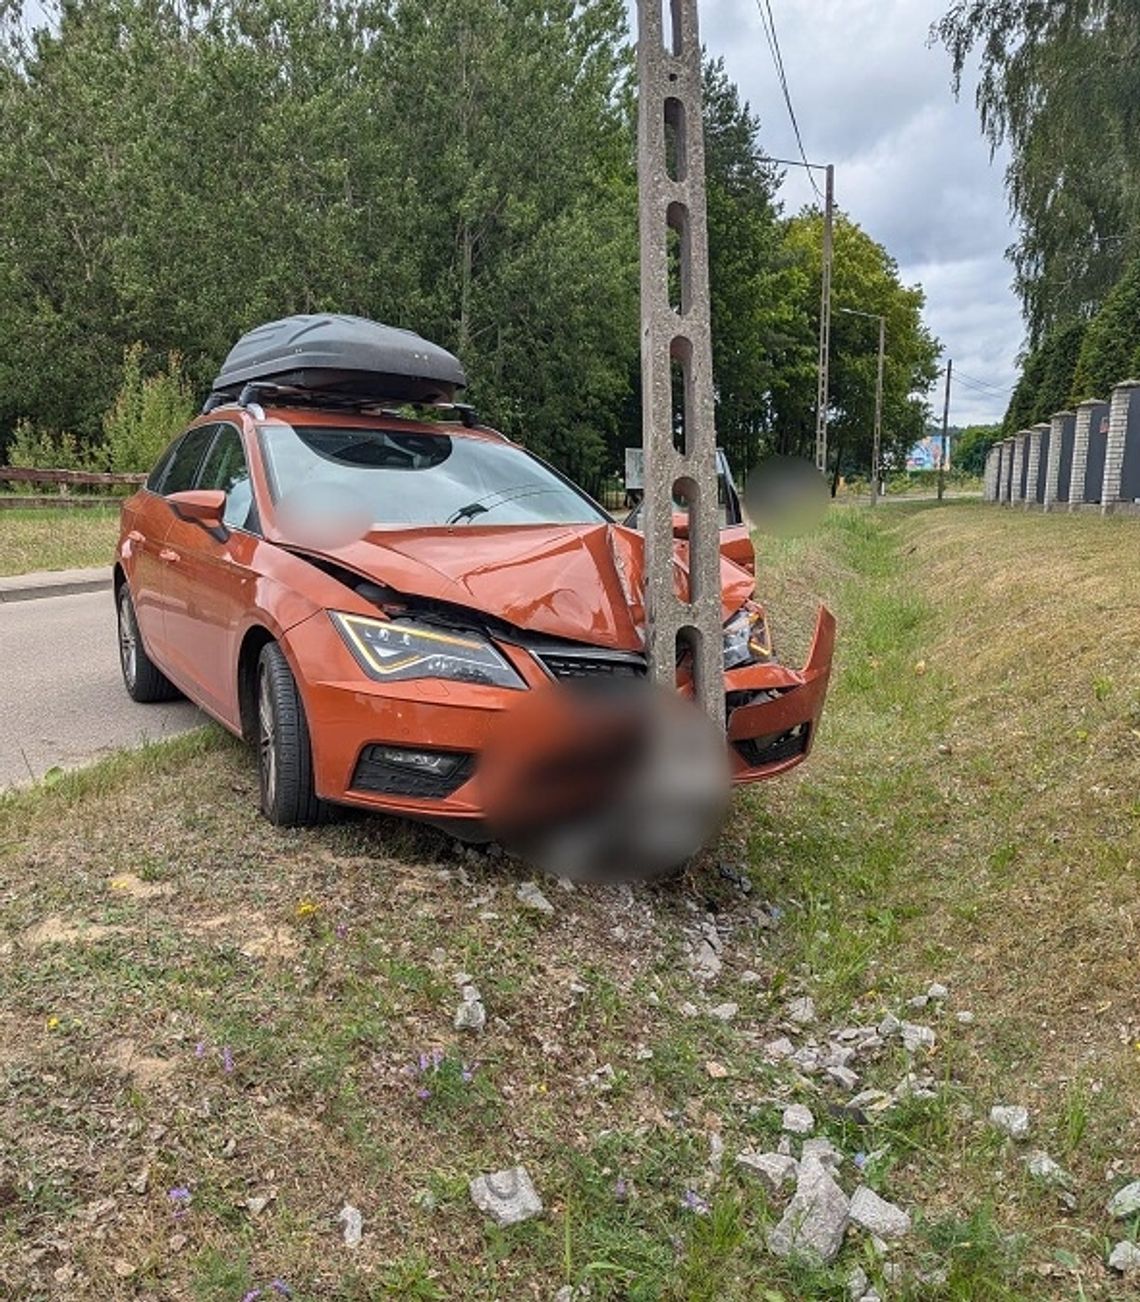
284	752
144	681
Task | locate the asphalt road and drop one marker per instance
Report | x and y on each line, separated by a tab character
62	700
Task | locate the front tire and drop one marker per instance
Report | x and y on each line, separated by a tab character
284	752
144	681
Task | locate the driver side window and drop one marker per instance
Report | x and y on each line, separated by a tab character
225	467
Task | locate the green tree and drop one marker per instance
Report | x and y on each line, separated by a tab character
1048	378
1108	354
1060	84
753	313
972	447
866	280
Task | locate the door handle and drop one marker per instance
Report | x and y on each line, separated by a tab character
167	555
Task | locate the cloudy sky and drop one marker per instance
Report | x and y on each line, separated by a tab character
911	166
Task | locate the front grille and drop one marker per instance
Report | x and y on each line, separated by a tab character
759	752
593	664
377	774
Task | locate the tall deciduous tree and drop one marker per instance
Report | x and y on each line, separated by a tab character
1060	82
866	280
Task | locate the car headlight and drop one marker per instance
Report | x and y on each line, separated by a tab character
746	638
398	649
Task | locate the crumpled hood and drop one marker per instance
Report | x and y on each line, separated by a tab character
582	582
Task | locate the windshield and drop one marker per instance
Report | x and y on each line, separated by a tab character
411	478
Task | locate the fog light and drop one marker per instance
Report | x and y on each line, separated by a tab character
441	764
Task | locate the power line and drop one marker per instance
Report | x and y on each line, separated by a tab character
773	38
984	384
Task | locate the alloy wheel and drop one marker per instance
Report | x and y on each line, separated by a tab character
267	738
128	638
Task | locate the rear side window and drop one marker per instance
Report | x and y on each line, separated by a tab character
225	467
182	469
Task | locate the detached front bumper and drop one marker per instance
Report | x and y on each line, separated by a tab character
773	712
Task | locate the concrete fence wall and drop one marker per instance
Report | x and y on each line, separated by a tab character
1083	460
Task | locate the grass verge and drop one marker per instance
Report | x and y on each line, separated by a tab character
214	1035
57	539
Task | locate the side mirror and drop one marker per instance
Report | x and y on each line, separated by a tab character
203	506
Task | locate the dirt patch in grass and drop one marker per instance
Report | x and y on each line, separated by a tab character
256	1027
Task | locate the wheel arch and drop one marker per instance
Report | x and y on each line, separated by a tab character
257	637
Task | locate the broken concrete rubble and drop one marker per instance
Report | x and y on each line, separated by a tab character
1011	1120
877	1215
815	1221
773	1169
509	1196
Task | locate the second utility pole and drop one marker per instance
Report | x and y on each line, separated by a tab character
876	450
824	396
945	434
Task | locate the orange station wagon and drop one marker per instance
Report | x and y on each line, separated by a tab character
361	594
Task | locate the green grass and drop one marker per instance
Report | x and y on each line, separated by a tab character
969	816
57	538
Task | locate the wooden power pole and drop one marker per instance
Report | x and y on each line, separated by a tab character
678	432
945	434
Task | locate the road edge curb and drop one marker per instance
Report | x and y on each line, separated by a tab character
64	588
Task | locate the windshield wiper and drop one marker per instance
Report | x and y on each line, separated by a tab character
468	512
472	509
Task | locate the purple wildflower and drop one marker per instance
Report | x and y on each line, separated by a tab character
341	932
436	1058
279	1286
423	1062
423	1094
200	1049
860	1160
695	1203
468	1075
180	1194
621	1190
252	1295
227	1059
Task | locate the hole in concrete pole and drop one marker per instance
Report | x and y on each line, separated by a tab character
678	255
676	42
687	651
680	355
675	144
686	496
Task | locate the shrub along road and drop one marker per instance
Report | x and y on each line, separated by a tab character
215	1038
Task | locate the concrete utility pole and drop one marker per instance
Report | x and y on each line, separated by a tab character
823	398
945	433
680	455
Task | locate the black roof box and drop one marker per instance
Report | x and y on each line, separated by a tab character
342	358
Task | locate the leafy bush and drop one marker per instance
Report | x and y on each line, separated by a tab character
148	412
43	449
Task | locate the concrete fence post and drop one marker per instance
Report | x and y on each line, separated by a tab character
1081	452
1033	464
1053	462
998	454
1017	487
989	479
1007	481
1110	495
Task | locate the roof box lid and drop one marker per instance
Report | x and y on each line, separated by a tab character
345	357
